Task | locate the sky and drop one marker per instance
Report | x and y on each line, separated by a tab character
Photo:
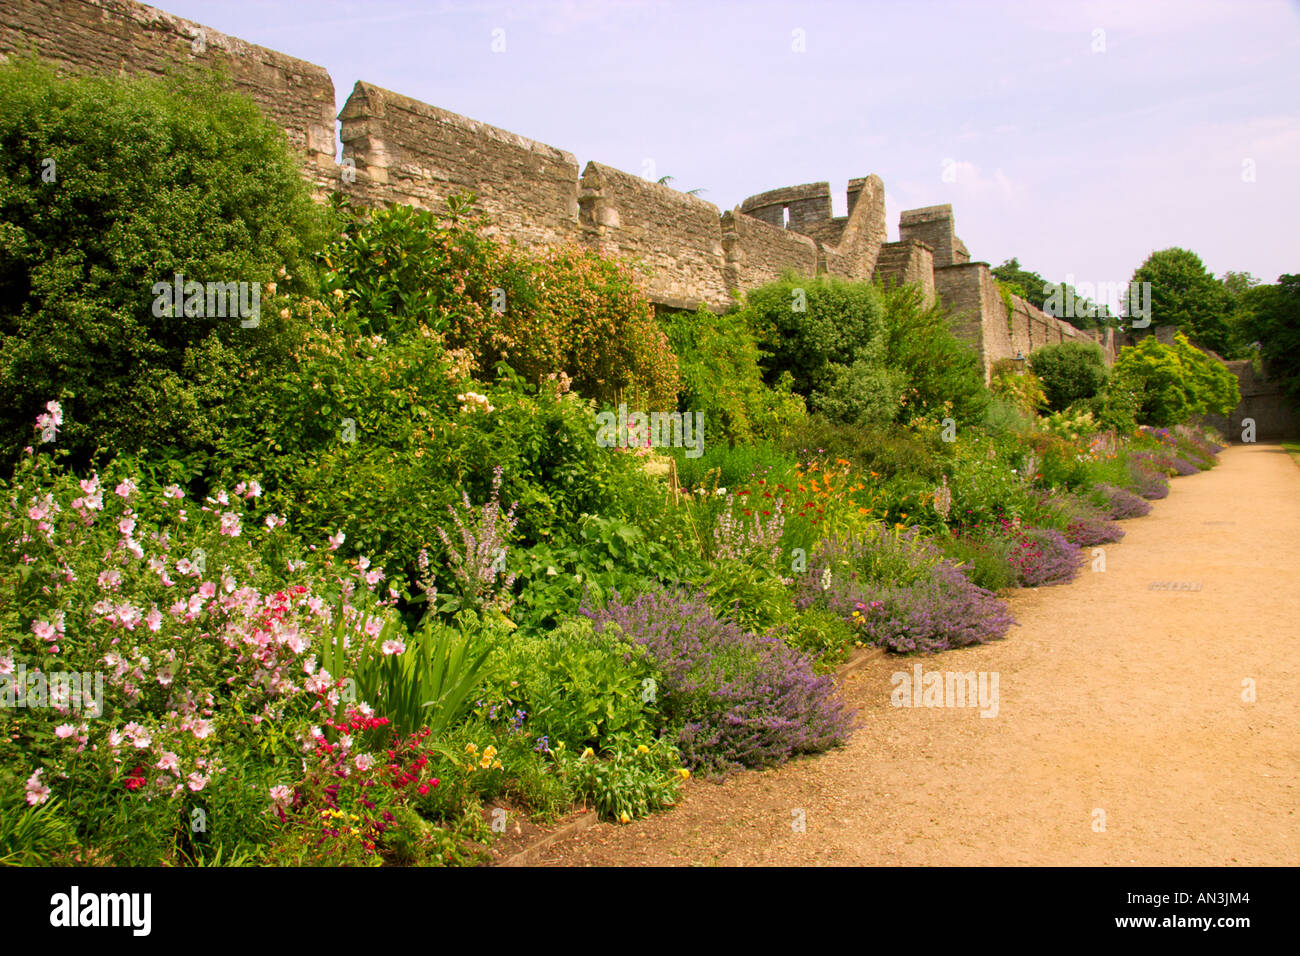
1076	136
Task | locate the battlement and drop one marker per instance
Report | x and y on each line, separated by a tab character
396	149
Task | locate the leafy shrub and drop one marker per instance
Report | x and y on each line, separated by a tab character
719	364
984	561
735	699
863	393
574	687
574	312
1070	372
1175	382
942	374
151	179
807	326
401	270
1023	390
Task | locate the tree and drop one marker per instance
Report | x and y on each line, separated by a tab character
1173	383
1185	294
1275	323
1084	313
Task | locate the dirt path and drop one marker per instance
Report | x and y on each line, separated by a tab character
1112	696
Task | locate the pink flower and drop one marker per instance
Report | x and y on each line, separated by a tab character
337	539
196	781
44	630
374	626
273	522
168	762
110	579
126	525
281	796
126	489
154	618
201	729
173	491
230	524
393	647
364	761
64	731
37	792
208	589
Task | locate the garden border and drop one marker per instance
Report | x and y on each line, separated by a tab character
585	819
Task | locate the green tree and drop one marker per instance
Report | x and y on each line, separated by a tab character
1185	294
107	187
1173	383
1275	324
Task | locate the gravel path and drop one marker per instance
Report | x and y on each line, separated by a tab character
1114	698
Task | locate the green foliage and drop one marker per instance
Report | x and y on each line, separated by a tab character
864	393
942	374
806	326
1184	293
1175	382
635	781
1018	388
822	634
1275	324
1050	297
33	836
1069	371
404	269
428	682
985	561
719	364
749	592
150	178
575	687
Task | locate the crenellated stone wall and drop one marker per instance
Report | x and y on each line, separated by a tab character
399	150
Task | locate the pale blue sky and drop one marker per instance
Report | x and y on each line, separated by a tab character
1078	162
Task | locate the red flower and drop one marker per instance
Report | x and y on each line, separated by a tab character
136	780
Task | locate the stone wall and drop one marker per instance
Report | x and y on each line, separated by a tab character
677	235
396	149
757	253
410	152
119	36
910	260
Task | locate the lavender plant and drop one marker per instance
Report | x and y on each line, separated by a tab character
1124	504
733	698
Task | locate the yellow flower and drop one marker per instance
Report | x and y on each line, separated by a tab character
490	752
623	817
471	748
485	762
496	765
589	752
684	772
642	749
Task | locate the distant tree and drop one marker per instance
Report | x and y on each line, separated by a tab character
1037	291
1185	294
1275	324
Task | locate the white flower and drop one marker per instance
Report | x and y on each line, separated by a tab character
393	647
